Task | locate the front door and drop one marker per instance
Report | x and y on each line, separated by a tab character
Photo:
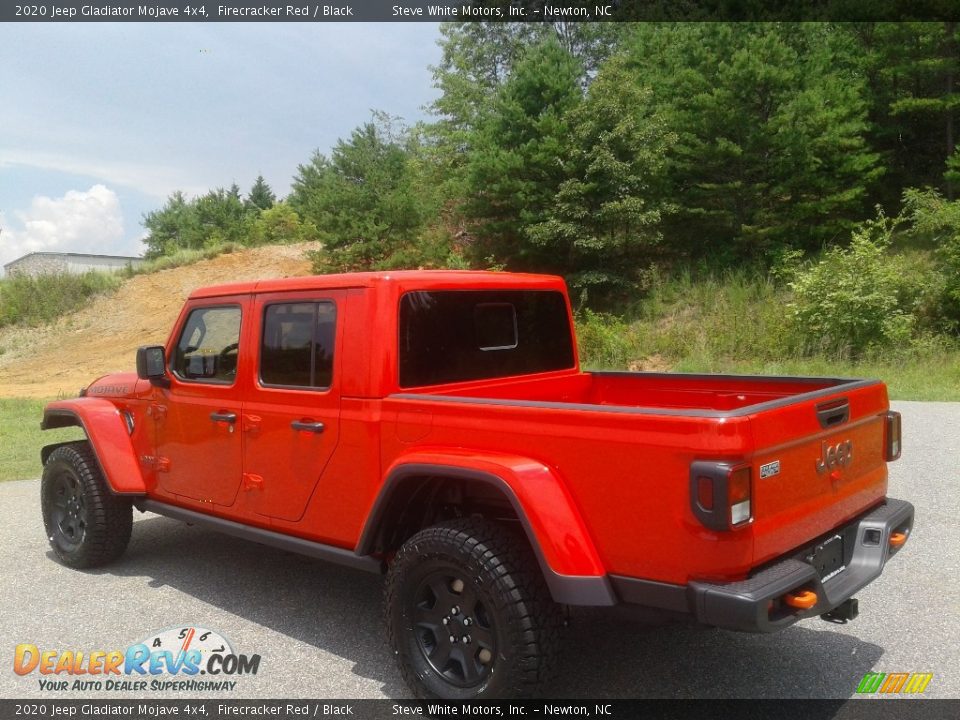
291	420
198	443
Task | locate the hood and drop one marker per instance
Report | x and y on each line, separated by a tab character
115	385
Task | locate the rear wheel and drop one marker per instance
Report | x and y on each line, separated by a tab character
86	524
468	613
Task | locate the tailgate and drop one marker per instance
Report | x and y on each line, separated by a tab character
817	463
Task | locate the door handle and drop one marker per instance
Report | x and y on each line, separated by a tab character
314	427
227	417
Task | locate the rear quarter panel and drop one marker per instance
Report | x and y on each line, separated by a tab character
627	473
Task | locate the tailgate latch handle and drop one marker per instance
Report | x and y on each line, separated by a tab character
833	413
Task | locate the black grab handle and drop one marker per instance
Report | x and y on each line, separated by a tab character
314	427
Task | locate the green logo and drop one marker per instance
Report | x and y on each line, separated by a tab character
905	683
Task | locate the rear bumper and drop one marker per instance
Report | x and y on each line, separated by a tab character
756	604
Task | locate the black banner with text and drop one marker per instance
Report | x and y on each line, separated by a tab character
477	10
376	709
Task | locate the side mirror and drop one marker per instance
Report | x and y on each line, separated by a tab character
152	364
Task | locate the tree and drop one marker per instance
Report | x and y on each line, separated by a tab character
925	69
603	224
172	227
517	162
222	217
279	225
770	125
478	58
935	221
364	198
857	297
217	217
911	71
261	196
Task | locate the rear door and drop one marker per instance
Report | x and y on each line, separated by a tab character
291	417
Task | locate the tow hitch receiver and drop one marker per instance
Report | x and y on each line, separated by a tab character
842	613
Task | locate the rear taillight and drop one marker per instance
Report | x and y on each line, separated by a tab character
738	494
720	494
892	442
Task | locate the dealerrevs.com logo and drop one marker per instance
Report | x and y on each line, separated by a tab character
167	660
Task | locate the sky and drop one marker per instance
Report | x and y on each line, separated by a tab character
100	122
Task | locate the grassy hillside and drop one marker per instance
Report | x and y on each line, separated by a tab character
103	335
740	322
35	301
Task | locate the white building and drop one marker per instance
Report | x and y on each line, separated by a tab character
48	263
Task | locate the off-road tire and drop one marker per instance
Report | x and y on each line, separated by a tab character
502	581
86	524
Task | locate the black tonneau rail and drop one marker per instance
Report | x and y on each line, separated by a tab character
838	385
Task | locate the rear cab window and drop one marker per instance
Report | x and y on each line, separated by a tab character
458	336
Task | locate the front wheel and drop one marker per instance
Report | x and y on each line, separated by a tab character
86	524
468	613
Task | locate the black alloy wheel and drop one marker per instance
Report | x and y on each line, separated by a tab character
468	613
454	627
86	523
69	510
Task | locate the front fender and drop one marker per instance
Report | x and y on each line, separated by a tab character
108	436
569	560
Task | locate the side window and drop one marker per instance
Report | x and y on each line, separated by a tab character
296	349
207	350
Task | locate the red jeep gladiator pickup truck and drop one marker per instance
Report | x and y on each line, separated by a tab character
437	426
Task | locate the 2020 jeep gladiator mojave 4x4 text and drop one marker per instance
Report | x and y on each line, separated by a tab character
436	426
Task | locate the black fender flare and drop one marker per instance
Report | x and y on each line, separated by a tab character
594	590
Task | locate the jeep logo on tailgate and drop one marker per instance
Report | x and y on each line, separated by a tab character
832	456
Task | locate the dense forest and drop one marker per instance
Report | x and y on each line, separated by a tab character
823	156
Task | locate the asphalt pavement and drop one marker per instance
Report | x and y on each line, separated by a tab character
318	628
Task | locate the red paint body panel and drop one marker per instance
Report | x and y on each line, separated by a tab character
599	462
107	431
622	472
550	511
800	500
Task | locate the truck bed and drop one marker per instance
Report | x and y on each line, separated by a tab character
623	443
659	393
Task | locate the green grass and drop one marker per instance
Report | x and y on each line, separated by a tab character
739	322
182	257
935	378
21	438
37	300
